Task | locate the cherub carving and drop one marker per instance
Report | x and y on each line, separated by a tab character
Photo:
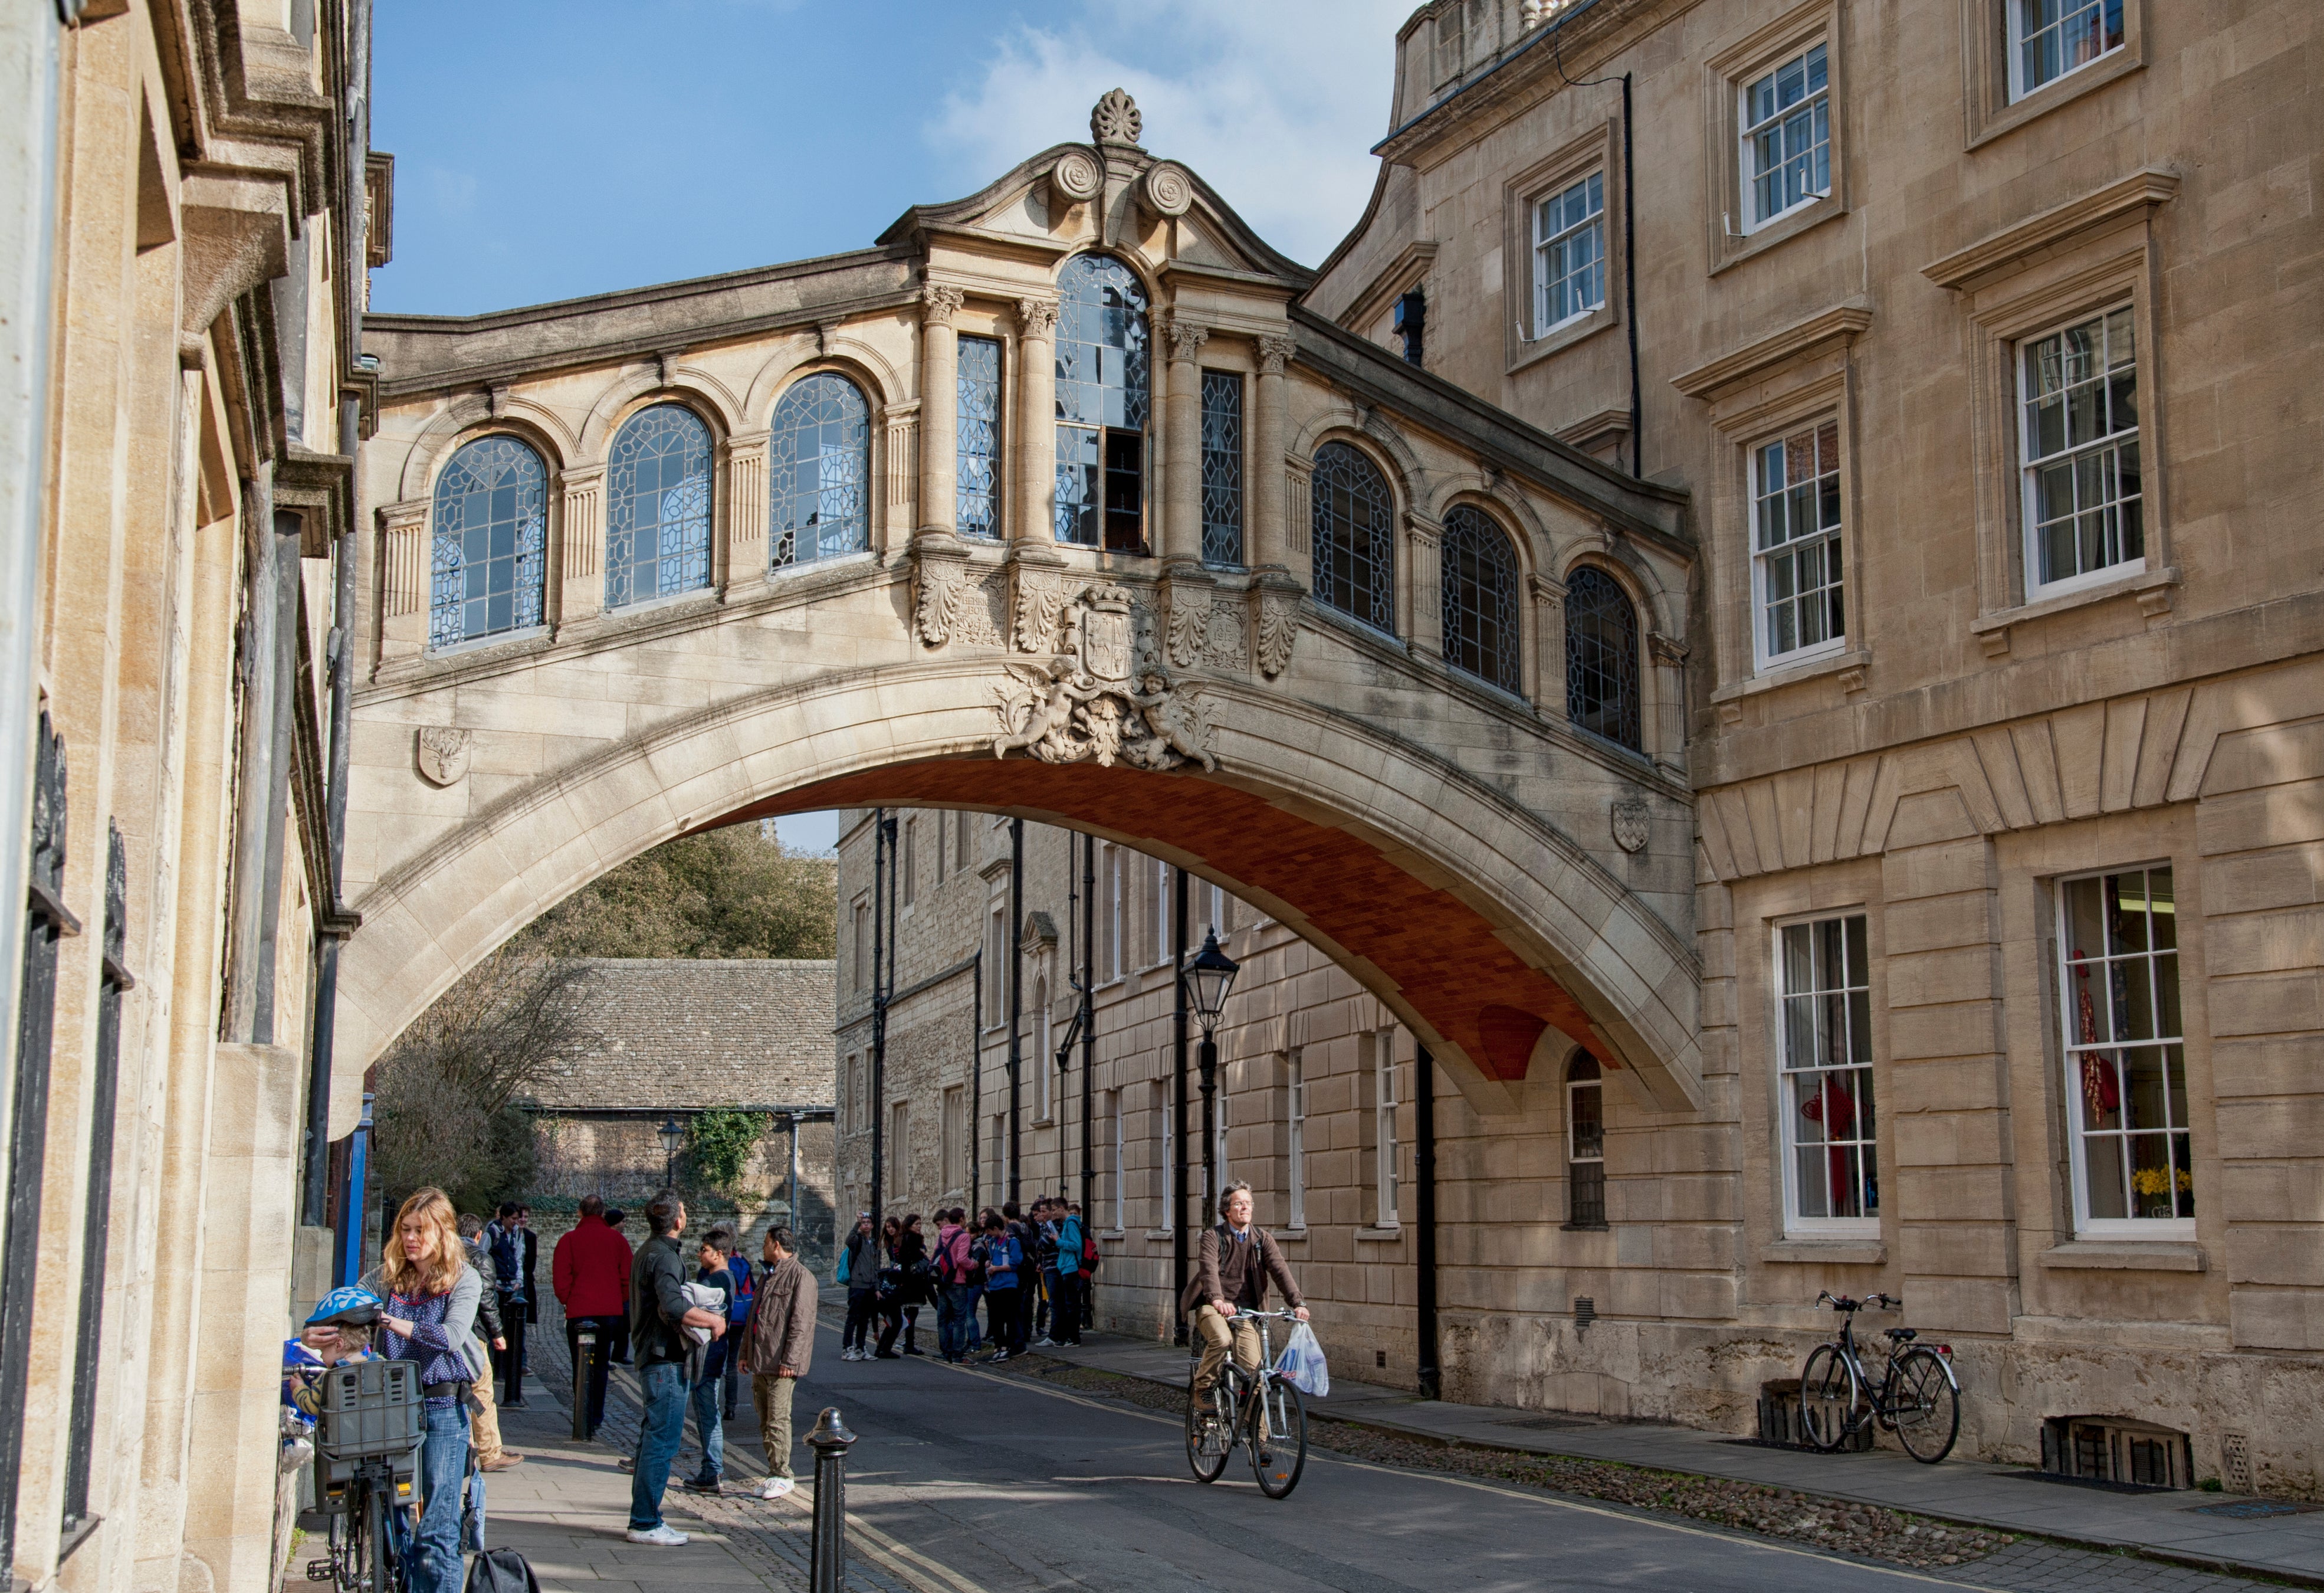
1175	721
1036	714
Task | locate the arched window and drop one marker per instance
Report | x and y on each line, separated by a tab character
1354	526
1479	577
818	466
1102	404
492	542
1585	1143
657	507
1601	658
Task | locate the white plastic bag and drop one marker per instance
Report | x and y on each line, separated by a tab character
1302	1361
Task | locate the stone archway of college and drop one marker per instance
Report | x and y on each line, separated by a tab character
1495	937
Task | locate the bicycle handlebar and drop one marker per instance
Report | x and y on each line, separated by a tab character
1842	1303
1248	1315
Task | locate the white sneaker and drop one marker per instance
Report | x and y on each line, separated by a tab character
664	1536
775	1488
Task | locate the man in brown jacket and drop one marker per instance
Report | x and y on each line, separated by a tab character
1236	1260
777	1343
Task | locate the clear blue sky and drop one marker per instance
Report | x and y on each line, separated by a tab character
548	151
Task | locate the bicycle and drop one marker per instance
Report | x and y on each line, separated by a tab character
1262	1410
1918	1398
366	1468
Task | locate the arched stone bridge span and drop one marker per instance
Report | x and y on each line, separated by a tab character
1339	688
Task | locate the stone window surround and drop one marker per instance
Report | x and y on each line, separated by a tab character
1798	1230
1761	908
1597	148
1805	371
1726	75
1988	110
2093	251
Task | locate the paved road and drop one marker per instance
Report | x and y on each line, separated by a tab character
1018	1486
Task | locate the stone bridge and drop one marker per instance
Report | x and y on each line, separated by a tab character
1053	503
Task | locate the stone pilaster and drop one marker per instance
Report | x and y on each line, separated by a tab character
1549	599
581	550
1272	542
939	408
1424	540
1181	440
1665	704
899	442
1036	519
742	552
404	567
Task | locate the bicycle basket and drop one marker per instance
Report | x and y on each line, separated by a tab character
368	1409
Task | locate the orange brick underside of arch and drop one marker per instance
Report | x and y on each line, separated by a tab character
1443	956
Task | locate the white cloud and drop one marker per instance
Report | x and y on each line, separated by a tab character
1275	103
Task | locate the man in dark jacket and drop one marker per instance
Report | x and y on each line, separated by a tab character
590	1270
659	1318
777	1343
861	1272
1238	1257
505	1236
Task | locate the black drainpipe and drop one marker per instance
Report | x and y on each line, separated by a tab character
1630	286
1015	1001
1424	1212
1178	1260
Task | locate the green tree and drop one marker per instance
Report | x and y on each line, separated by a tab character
729	892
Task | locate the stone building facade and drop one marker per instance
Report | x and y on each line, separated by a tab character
189	210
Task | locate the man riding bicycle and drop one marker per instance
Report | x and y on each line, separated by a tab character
1236	1260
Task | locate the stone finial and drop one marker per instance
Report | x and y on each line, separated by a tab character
1115	120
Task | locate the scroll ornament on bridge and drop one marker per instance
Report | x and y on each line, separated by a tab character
1092	703
940	588
1278	628
443	755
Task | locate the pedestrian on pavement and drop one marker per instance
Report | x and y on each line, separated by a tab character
485	1421
777	1343
909	1268
956	1270
859	1269
710	1380
618	1351
891	1290
429	1295
658	1318
505	1236
1237	1259
1026	1231
738	1268
1066	1307
590	1271
1046	1216
1004	1257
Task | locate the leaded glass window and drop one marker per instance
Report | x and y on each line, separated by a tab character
819	468
2126	1053
657	507
1601	658
1832	1170
2084	496
976	493
1353	522
1480	580
1104	399
1787	136
1222	469
491	543
1585	1143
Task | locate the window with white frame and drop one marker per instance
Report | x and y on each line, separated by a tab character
908	860
960	841
1787	122
2084	502
2051	38
1219	1146
1585	1143
936	828
1823	1020
1795	560
1044	1064
955	1138
1169	1181
2125	1050
1113	1161
1110	915
1295	1138
861	958
1157	910
1213	913
996	963
1383	1136
1569	254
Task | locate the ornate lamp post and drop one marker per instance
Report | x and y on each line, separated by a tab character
1208	978
672	1134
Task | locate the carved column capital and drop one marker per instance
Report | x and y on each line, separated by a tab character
1187	340
1424	533
1036	319
1275	352
939	302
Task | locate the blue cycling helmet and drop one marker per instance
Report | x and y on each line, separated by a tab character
350	1307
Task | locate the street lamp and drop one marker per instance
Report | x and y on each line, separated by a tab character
672	1134
1208	978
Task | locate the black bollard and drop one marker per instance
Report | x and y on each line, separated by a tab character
584	1347
827	1562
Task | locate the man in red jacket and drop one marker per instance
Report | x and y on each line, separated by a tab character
590	1270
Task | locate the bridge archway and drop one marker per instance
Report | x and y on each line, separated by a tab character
1480	923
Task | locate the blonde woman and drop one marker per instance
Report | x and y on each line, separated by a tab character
429	1295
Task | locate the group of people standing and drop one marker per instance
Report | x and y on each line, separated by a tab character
1032	1271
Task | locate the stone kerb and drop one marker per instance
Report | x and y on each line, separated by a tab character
443	909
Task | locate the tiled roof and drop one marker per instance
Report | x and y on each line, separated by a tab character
680	1032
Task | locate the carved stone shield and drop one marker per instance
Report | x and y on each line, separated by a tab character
1108	636
443	755
1630	815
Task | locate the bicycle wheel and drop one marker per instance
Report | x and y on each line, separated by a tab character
377	1571
1278	1458
1209	1431
1829	1396
1927	1404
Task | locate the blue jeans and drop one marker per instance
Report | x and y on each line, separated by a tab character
659	1436
955	1316
436	1565
709	1396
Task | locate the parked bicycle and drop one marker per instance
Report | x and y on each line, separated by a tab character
1917	1397
1262	1410
366	1464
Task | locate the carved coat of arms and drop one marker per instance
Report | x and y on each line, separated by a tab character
1630	816
443	755
1090	702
